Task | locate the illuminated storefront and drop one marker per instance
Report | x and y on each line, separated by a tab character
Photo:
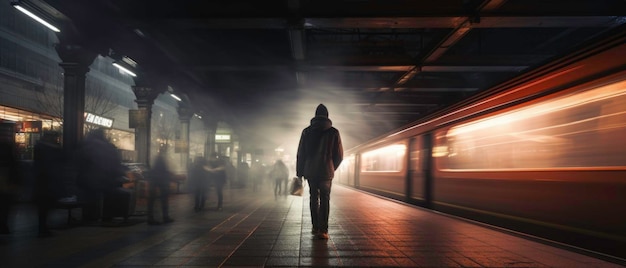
28	128
123	140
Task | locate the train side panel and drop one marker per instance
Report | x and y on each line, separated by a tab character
547	150
345	174
383	169
559	160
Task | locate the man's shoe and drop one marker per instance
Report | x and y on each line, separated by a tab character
322	235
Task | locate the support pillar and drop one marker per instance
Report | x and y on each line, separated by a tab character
184	114
76	62
145	99
211	128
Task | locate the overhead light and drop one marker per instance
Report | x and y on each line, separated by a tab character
19	7
124	69
175	97
126	65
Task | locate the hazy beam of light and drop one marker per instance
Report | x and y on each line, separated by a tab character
286	114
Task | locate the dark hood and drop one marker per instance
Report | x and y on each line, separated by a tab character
320	123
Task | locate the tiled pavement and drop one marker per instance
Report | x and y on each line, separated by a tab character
257	229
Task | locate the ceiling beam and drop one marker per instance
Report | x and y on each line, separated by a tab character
360	68
487	21
392	104
547	21
459	32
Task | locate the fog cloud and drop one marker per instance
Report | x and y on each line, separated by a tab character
280	117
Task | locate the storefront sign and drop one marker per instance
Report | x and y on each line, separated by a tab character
222	138
98	120
28	127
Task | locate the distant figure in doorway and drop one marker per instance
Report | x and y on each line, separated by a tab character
217	174
199	180
49	184
9	181
319	154
279	173
159	178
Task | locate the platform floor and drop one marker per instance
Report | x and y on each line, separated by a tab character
259	230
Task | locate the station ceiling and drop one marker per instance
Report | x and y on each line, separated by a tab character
263	66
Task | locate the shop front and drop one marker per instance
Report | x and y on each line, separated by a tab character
27	128
123	140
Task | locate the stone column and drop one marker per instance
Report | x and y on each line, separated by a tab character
211	128
76	61
145	99
184	114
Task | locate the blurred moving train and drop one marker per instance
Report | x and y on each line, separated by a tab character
544	153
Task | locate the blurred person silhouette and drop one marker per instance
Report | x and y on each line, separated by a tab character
319	154
243	173
99	171
49	183
279	173
159	178
257	175
9	181
286	180
199	180
217	168
230	171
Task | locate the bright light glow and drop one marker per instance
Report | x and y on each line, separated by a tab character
394	149
386	159
175	97
129	72
38	19
440	151
542	110
583	129
222	137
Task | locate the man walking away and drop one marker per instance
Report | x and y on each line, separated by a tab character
319	154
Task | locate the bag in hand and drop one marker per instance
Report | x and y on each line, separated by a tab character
296	186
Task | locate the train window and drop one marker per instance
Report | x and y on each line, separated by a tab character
386	159
583	129
416	154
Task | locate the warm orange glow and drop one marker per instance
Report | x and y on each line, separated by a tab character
582	129
388	159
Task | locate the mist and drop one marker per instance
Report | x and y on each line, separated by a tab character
278	121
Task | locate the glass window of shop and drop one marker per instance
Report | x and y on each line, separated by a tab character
123	140
28	128
125	143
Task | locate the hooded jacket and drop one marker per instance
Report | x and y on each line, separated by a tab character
320	150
